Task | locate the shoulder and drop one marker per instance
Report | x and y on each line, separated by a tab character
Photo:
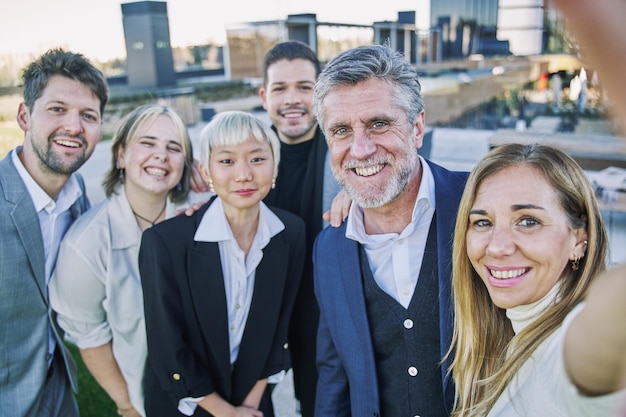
93	215
288	218
178	226
319	136
331	235
441	173
90	225
449	185
9	177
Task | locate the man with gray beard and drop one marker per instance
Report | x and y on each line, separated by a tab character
382	279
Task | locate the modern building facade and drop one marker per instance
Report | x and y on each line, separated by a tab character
439	30
521	22
466	27
248	42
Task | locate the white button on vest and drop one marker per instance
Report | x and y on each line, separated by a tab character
408	324
412	371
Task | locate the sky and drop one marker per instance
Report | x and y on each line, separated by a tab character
94	27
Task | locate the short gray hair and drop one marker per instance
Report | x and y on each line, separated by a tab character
370	61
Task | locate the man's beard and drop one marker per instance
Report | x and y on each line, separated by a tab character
386	194
55	164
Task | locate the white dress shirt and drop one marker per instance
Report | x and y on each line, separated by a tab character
396	259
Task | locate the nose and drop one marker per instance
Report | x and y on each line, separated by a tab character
73	123
500	242
362	146
160	153
244	173
292	96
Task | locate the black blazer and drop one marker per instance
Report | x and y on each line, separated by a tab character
187	319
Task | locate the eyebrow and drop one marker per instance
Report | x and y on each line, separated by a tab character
60	102
514	207
255	150
517	207
308	82
169	142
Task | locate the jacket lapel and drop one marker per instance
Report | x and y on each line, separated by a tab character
348	253
265	309
26	221
206	284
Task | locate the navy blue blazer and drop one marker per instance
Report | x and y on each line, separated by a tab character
347	384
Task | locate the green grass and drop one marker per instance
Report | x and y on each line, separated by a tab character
10	136
91	398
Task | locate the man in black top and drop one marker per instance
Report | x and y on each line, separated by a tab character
305	186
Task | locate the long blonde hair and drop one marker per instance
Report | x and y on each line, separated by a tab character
486	353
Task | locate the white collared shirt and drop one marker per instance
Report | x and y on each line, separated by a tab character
396	259
54	219
239	270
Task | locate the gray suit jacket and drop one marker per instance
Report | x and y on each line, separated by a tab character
25	314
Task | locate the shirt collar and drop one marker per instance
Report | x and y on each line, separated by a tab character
355	227
214	226
70	192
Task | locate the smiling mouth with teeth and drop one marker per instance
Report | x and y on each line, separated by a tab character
67	143
512	273
368	171
156	171
292	115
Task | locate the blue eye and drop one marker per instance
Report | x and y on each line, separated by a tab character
481	223
529	222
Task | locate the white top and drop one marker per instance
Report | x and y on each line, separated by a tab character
543	388
96	288
396	259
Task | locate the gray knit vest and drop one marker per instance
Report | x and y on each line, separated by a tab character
406	341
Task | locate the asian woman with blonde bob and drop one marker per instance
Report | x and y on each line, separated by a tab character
219	285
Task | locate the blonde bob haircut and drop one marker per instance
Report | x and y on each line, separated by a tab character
486	353
234	128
